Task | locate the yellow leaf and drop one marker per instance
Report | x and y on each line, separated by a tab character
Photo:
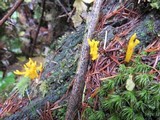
77	20
79	5
129	83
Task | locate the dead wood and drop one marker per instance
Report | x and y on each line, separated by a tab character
75	99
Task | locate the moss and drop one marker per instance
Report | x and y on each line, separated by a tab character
150	25
140	103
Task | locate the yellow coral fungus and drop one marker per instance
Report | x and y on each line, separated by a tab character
31	69
131	45
93	48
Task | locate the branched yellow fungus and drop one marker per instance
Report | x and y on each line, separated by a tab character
30	69
93	48
131	45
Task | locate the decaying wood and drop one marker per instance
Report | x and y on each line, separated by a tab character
75	100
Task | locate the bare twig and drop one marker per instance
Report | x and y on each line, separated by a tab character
39	25
105	39
65	10
11	11
75	100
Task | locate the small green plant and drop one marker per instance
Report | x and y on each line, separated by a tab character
44	88
59	114
5	82
117	102
92	114
155	4
22	85
31	72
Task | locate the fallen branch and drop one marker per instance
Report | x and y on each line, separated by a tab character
75	100
11	11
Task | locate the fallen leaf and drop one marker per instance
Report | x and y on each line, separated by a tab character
88	1
81	7
129	83
77	20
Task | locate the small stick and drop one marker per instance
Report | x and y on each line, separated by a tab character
38	29
63	7
11	11
75	100
105	39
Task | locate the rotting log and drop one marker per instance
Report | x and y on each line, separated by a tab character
55	74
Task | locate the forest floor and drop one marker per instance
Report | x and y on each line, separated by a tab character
114	88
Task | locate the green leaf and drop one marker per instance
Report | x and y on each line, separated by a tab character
37	12
155	5
1	75
3	5
15	45
10	74
8	80
15	15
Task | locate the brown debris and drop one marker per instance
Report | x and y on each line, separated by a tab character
12	105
